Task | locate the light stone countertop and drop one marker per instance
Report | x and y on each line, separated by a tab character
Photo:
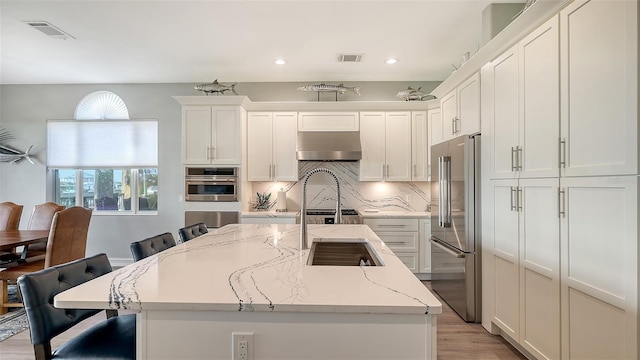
394	214
263	214
257	267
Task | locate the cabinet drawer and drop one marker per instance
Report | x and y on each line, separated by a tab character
400	241
410	260
392	224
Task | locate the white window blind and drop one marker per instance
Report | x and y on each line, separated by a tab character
102	144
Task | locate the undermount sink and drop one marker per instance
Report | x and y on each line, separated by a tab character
343	252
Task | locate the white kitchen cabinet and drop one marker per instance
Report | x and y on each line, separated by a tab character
599	72
434	132
267	220
212	135
386	146
425	246
461	109
328	121
523	97
419	146
526	263
401	235
271	146
599	247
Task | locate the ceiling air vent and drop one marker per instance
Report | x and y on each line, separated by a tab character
350	58
49	30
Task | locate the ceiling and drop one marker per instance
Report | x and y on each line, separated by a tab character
142	41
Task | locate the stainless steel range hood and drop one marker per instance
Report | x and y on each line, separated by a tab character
329	146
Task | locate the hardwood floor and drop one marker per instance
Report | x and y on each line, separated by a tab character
457	340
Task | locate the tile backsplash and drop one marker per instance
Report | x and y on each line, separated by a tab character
360	195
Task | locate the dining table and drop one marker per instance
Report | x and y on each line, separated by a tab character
12	239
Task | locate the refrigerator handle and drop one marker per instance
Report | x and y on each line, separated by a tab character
457	254
445	191
440	191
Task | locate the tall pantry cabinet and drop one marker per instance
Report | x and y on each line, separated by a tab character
559	125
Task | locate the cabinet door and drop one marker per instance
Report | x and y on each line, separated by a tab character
398	146
599	87
227	136
419	146
505	256
599	248
540	267
259	165
503	73
468	119
372	138
196	134
540	102
285	132
425	246
449	111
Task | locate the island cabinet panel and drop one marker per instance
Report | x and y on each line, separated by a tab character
208	335
599	72
271	146
212	135
425	246
402	236
599	240
328	121
386	146
521	93
461	109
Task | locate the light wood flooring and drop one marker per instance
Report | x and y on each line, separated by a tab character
457	340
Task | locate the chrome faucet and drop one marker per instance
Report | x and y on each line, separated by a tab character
304	243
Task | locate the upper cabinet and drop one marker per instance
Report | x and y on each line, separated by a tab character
386	146
419	146
460	109
328	121
521	105
212	135
271	146
599	88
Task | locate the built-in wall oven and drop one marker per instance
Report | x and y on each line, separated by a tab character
211	184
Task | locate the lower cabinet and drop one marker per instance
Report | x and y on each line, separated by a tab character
425	246
402	236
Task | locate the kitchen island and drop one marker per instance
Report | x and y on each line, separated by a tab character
253	278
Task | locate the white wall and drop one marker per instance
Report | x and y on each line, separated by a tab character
24	110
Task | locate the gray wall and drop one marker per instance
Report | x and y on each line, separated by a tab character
24	110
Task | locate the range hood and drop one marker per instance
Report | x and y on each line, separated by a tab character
329	146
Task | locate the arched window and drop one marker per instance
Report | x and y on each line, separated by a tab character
102	159
101	105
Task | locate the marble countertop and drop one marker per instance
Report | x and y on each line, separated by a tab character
371	214
257	267
263	214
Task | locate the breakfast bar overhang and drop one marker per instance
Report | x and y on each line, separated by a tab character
254	279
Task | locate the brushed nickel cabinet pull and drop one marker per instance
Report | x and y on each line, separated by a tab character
513	162
561	203
513	204
562	152
519	199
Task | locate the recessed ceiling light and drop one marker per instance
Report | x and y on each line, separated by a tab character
391	61
280	61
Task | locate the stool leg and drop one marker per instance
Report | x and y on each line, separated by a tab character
4	295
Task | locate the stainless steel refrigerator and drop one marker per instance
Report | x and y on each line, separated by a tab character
455	231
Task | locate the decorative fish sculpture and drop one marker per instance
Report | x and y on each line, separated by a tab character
215	87
9	154
340	89
412	94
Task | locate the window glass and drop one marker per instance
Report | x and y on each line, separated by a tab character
65	189
148	189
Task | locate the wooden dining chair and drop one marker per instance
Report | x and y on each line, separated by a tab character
10	214
67	242
41	219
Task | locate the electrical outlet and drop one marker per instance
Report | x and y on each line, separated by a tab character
407	198
243	345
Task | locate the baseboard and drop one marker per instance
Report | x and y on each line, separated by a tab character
423	276
515	344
